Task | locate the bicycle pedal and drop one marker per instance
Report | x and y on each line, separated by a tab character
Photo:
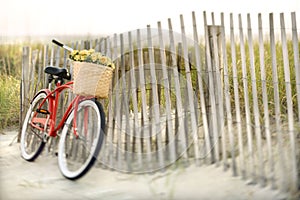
43	111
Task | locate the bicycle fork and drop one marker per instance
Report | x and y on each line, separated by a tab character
85	119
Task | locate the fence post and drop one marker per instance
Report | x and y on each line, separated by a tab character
213	93
25	78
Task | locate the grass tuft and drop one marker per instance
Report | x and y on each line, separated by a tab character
9	101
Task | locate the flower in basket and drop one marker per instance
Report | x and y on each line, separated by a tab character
91	56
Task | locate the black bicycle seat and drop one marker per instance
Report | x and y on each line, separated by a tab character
56	71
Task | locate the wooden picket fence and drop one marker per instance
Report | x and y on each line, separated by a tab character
223	96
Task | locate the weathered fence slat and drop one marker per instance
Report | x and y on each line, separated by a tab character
118	116
133	86
257	129
238	118
45	62
288	90
24	87
190	93
52	55
247	104
265	102
227	103
40	73
145	118
155	124
207	151
57	56
32	66
181	142
296	59
65	55
168	107
124	106
214	34
212	99
183	88
112	109
105	149
282	178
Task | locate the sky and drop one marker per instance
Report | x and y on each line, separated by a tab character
66	17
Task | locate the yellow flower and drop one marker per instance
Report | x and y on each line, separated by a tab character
103	60
94	57
83	57
112	65
77	57
74	53
84	52
91	51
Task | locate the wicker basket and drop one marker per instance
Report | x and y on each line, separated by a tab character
91	79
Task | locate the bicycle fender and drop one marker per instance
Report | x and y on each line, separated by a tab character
47	91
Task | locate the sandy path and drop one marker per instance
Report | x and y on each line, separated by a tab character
41	179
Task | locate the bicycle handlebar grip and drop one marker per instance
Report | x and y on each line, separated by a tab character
57	43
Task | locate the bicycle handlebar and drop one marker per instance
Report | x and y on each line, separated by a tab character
57	43
62	45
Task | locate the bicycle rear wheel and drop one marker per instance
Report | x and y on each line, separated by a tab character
32	142
76	155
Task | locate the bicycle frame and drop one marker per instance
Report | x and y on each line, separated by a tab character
53	98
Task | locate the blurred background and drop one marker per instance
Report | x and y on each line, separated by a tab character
35	20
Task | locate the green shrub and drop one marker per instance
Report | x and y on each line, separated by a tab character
9	101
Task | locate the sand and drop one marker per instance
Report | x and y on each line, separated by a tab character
41	179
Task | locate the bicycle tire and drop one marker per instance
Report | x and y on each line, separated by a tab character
32	142
76	155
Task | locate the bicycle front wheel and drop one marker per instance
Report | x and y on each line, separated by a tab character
32	142
77	154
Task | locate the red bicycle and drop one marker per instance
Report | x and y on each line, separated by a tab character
81	128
